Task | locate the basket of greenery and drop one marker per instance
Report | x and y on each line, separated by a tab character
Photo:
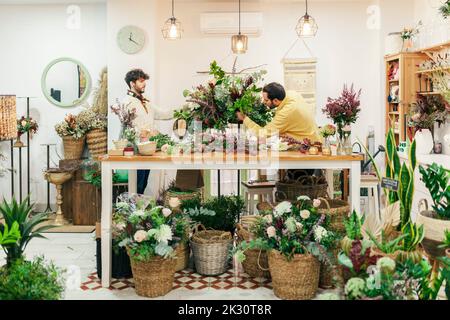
151	235
173	192
435	221
73	136
296	240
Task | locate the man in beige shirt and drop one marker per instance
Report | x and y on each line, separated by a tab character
146	115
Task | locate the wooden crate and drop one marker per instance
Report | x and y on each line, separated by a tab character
86	204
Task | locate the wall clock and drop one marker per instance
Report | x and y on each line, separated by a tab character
131	39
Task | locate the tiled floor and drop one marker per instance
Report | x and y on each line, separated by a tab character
76	253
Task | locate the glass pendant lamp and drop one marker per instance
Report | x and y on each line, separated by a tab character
239	42
307	26
172	29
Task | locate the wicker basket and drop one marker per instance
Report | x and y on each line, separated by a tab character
183	251
337	210
256	263
331	275
153	278
297	279
8	118
181	196
305	185
73	148
97	142
210	249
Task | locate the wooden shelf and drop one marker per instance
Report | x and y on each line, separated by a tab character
429	93
395	113
435	48
394	81
432	70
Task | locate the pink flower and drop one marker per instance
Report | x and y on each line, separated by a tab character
271	232
347	128
316	203
140	236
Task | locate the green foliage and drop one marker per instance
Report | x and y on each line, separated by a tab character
9	236
446	242
161	139
386	246
227	210
21	214
31	280
216	71
436	179
413	236
94	177
353	226
392	164
445	9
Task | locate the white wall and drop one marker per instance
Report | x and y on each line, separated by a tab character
32	36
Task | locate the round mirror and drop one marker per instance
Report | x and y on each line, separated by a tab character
66	82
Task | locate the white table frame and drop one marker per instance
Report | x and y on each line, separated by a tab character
132	165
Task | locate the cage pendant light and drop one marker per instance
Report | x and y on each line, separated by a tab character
172	29
307	26
239	42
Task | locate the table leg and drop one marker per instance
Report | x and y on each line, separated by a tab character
106	223
132	181
330	180
355	190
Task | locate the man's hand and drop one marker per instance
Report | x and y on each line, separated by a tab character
240	116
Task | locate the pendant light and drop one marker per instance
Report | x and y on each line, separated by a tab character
239	42
172	29
307	26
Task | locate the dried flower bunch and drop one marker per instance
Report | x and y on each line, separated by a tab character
70	127
90	120
409	33
293	144
345	109
426	111
441	75
26	124
126	115
215	104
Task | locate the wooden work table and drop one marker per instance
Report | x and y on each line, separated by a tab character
212	161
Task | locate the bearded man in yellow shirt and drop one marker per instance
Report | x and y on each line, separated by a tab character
291	117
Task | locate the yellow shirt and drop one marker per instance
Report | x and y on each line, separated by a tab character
292	118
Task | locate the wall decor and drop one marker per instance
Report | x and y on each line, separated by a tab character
131	39
66	82
8	117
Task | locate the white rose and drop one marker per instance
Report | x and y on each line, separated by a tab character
166	212
24	123
316	203
140	236
319	233
305	214
174	202
299	226
271	232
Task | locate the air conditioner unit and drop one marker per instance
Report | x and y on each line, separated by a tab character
227	23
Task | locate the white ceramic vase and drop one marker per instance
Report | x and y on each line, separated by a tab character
424	141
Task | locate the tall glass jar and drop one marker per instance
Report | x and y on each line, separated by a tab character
326	147
347	144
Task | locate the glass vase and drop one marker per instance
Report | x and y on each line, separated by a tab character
347	145
326	147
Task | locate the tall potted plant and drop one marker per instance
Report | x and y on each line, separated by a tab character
296	238
437	220
344	111
73	136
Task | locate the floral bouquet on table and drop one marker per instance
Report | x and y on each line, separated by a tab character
125	114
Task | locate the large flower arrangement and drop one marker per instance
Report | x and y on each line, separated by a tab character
215	104
293	228
426	111
344	110
147	230
90	120
126	116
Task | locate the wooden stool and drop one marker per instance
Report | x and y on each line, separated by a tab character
371	184
262	189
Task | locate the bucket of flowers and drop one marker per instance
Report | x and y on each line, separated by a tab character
151	235
25	125
296	239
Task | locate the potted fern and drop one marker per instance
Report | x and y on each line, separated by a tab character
435	221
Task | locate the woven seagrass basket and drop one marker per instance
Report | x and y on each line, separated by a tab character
97	142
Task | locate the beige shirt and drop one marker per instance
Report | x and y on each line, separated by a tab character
146	115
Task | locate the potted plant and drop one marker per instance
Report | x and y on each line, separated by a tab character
25	125
296	238
408	35
424	113
73	136
150	235
344	111
436	221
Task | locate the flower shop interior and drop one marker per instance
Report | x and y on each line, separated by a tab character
179	189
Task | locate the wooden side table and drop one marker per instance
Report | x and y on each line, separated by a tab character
263	189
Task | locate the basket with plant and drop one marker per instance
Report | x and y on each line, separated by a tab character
73	135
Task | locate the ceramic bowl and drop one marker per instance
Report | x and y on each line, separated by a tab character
147	148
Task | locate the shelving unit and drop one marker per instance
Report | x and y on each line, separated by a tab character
397	110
